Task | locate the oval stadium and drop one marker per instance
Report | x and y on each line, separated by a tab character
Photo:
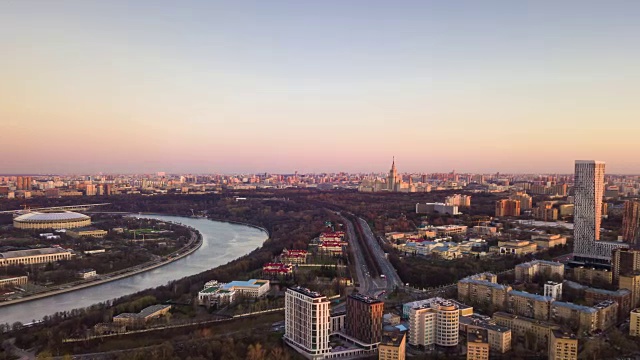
53	220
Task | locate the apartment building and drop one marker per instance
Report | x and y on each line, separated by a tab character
529	305
592	276
476	290
624	262
631	283
477	345
594	296
307	322
437	324
521	326
364	318
392	346
563	346
507	207
499	337
527	271
634	323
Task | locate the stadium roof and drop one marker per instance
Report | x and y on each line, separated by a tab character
55	216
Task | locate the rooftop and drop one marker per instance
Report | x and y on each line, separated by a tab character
572	306
620	292
531	296
470	320
392	338
306	292
31	252
52	216
365	299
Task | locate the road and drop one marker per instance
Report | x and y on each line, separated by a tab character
392	279
366	284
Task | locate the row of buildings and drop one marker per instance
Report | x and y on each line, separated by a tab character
310	327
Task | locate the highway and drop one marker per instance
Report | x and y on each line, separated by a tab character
368	285
391	276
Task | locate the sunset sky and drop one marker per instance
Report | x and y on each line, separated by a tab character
318	86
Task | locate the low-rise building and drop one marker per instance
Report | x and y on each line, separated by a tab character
139	319
515	247
392	346
563	346
13	281
294	256
546	241
276	269
216	294
34	256
87	232
477	345
86	274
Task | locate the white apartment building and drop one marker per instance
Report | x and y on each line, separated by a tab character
553	289
437	324
307	322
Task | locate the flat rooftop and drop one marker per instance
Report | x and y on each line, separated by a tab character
306	292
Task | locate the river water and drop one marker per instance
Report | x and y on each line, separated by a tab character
222	242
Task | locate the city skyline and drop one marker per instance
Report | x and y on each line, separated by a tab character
124	87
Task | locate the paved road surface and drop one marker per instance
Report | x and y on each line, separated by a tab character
391	276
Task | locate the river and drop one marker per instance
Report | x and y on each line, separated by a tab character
221	243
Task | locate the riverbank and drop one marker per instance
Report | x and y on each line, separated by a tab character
194	244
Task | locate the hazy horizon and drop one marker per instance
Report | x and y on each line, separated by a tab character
282	86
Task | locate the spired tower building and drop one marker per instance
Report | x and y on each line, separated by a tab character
589	191
394	182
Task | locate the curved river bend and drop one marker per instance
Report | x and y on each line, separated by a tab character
221	243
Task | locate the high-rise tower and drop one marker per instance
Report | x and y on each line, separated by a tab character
631	222
392	181
588	192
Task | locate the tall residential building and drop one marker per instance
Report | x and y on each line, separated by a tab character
631	282
526	202
458	200
393	346
588	192
364	318
631	222
507	207
563	346
624	262
437	324
307	322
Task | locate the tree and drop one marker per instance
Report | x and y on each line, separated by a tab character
278	353
255	352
